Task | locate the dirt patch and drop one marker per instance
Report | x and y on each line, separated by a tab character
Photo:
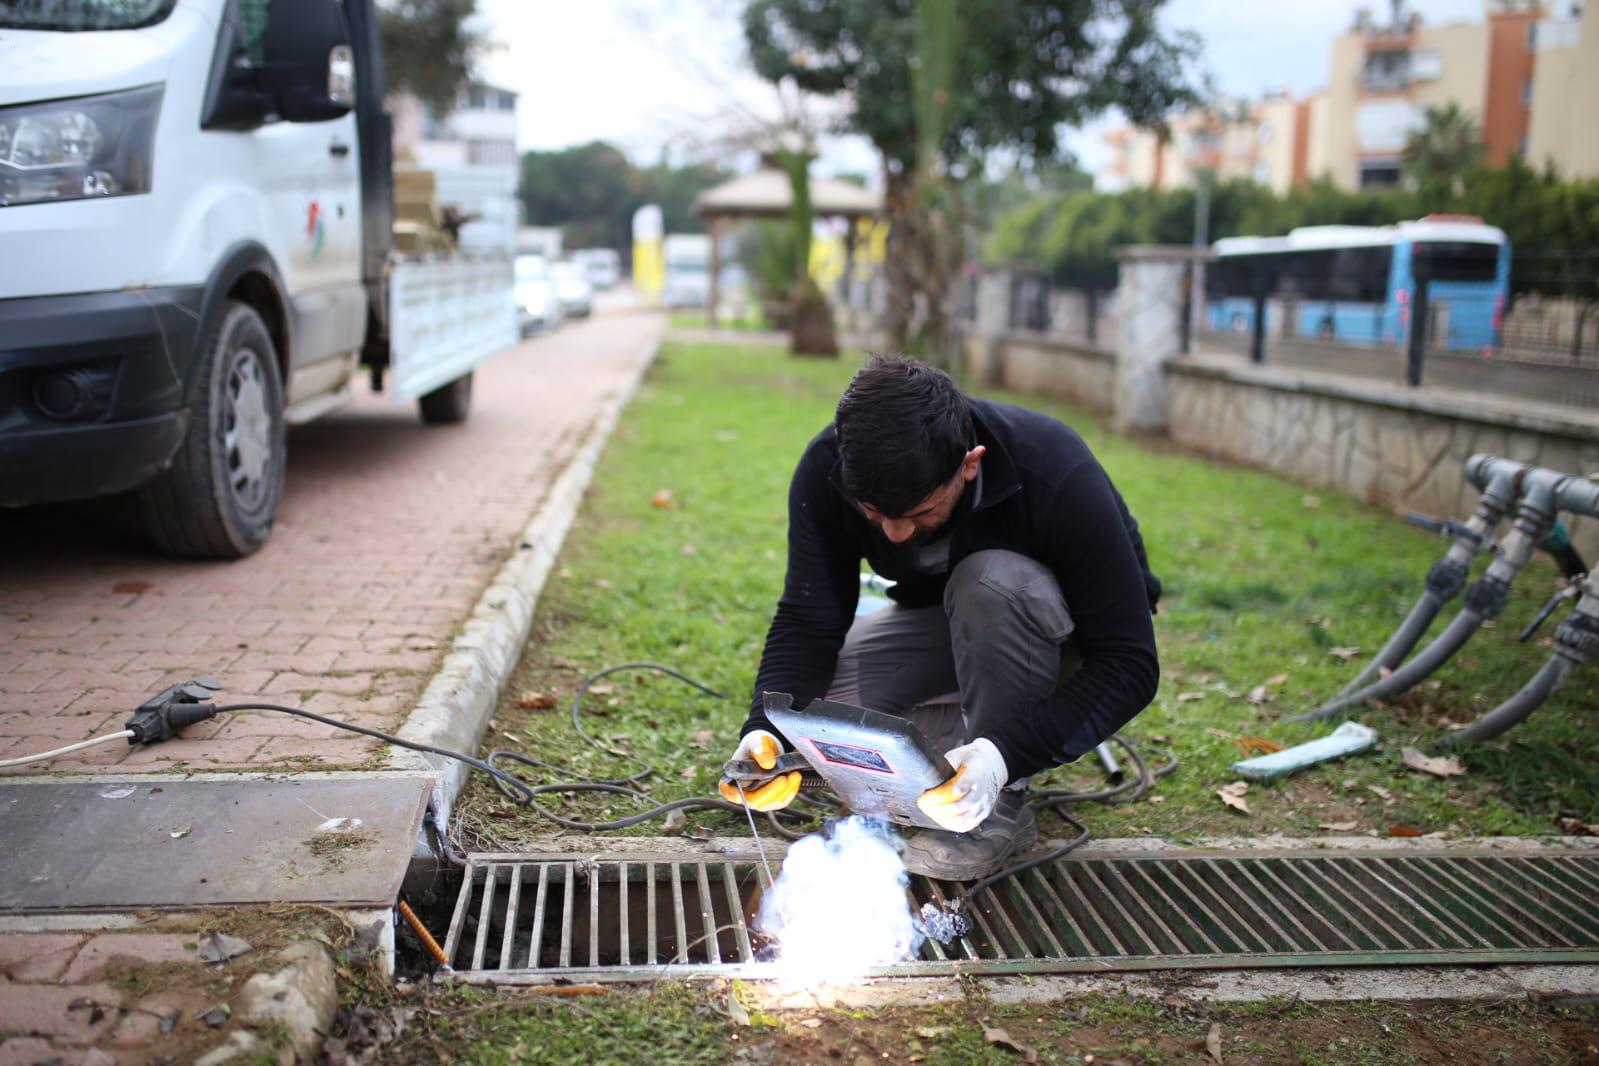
336	847
1115	1030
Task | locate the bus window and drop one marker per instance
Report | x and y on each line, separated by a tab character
1461	261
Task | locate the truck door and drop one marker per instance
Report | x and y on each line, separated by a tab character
308	174
310	180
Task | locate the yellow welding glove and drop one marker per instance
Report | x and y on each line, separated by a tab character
773	795
967	796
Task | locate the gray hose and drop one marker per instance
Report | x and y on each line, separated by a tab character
1518	707
1393	653
1408	676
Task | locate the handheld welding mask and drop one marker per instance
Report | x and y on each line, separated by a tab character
876	763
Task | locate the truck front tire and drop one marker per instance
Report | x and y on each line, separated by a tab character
448	404
219	496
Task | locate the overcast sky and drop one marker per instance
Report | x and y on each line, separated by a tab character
654	75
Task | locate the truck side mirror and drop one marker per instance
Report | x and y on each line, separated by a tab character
310	65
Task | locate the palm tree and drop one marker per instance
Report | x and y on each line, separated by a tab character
1447	144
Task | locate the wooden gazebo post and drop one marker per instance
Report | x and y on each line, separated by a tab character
713	287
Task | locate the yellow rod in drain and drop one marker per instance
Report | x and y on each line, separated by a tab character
423	934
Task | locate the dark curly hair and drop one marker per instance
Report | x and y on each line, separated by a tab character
903	428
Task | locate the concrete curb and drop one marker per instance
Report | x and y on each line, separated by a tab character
454	710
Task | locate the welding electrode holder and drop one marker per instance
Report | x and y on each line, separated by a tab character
752	775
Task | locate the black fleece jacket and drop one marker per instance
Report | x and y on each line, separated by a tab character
1044	496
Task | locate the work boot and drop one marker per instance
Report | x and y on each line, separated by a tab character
980	851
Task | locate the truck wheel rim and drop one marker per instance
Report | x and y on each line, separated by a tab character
247	430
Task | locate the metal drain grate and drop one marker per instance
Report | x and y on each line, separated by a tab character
522	918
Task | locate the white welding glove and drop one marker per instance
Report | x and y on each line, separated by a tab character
962	802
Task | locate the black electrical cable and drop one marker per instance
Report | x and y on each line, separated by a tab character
523	793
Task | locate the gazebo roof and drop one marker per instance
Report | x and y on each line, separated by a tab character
765	194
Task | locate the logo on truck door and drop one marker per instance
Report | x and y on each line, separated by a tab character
315	228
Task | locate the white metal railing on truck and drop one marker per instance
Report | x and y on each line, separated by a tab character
445	317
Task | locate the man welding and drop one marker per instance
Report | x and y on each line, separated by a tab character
990	519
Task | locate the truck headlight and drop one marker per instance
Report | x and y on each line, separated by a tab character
76	149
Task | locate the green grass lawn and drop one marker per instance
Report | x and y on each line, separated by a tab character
1263	577
755	322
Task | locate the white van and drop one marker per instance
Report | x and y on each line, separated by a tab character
195	251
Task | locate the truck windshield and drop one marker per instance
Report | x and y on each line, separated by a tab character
74	16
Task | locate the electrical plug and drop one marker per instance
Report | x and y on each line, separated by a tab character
164	715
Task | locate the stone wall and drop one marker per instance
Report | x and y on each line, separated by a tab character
1031	362
1399	448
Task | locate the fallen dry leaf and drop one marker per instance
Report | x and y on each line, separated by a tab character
1259	694
1257	745
737	1012
1575	827
1338	827
1403	831
1382	793
1213	1041
687	772
601	690
1000	1038
1277	679
1344	653
1233	795
662	498
1187	697
1438	766
535	701
1219	733
1157	799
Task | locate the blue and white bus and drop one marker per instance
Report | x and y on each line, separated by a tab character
1356	284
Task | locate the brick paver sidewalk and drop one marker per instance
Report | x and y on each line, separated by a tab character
388	532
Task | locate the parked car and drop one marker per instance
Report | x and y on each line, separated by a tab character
537	306
604	266
572	288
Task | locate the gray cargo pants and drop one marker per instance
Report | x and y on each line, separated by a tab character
995	649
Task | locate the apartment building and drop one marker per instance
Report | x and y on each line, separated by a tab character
1234	139
1565	94
1384	77
1528	76
480	131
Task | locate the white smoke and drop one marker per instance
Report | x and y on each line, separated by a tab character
840	906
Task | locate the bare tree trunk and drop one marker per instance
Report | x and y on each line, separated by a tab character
923	246
901	289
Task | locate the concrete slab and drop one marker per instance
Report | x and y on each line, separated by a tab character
106	845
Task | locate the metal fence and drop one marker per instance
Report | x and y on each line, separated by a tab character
1541	344
1083	312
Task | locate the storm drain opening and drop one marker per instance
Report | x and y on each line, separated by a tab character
530	918
552	913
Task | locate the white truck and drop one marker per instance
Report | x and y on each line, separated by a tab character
196	206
